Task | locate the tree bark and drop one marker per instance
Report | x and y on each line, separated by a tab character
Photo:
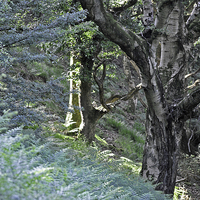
74	116
90	114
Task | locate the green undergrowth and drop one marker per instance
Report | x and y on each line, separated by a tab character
34	166
134	133
129	140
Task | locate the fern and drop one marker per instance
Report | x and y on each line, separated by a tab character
19	94
31	168
5	118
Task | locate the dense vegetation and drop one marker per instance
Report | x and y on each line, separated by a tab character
46	165
52	52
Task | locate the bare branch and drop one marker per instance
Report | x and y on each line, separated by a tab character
109	103
117	98
181	180
133	92
139	73
193	22
195	84
100	84
126	5
186	106
136	68
189	149
192	74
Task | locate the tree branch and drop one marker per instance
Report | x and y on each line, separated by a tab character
100	84
193	22
118	34
186	106
126	5
113	99
116	98
136	68
192	74
195	84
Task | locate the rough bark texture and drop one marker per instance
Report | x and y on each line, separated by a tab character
90	114
162	58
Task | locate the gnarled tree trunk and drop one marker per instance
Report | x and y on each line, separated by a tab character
161	52
90	114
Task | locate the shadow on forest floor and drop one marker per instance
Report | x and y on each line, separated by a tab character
188	179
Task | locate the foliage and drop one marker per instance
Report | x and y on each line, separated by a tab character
129	141
34	168
30	23
23	26
180	193
129	148
5	118
123	130
27	98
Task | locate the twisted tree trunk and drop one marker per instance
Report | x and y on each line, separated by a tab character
161	52
90	114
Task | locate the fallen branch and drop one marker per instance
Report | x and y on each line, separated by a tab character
192	74
115	99
196	83
181	180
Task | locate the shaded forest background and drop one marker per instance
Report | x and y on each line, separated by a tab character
38	39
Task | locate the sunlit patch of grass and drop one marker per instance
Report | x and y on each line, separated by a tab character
130	142
130	165
102	141
123	130
180	193
130	149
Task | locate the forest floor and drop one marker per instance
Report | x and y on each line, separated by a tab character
188	179
119	126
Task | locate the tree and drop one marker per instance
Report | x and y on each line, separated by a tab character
85	42
57	30
162	53
91	51
24	28
74	116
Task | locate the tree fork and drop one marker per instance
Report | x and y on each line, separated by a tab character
164	122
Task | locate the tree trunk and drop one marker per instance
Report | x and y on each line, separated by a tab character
90	114
161	52
161	150
74	116
164	127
